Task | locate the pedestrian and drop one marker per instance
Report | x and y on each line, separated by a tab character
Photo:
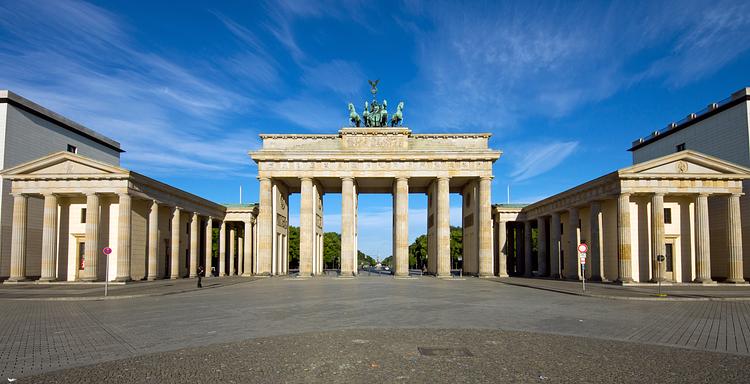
213	271
201	272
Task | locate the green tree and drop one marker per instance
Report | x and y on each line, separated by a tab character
387	261
293	243
331	250
418	252
457	246
364	259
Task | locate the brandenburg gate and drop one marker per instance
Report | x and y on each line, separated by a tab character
375	160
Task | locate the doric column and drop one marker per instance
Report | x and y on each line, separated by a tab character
595	246
658	246
541	245
347	227
209	244
623	239
306	227
571	256
223	249
702	241
153	241
194	245
502	249
247	269
485	227
18	242
443	228
123	237
90	272
401	228
554	249
174	264
734	231
232	249
240	253
265	227
49	238
527	248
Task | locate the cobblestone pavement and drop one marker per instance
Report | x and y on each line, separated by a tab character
42	336
416	356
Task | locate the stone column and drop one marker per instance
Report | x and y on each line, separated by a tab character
541	246
49	238
232	249
265	227
174	264
443	228
209	245
223	249
240	254
554	249
18	239
247	269
153	241
90	272
595	246
658	246
527	265
306	227
123	237
485	228
571	256
194	233
623	239
347	226
502	247
401	228
702	241
734	232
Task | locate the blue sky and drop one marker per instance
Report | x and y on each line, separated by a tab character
564	87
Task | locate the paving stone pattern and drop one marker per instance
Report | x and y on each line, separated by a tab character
42	336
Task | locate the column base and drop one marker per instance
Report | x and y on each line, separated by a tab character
193	276
705	281
444	276
735	281
595	278
46	279
16	279
624	281
123	279
151	278
173	277
247	274
88	280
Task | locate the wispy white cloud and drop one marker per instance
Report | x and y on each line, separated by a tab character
533	160
342	77
79	60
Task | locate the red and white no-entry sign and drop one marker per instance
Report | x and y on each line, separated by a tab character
583	248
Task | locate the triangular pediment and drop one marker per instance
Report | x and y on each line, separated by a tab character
687	164
63	163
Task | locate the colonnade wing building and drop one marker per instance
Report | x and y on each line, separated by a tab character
682	199
65	197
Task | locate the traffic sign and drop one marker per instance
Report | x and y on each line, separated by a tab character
582	259
583	248
107	250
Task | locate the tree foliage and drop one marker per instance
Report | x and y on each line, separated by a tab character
418	254
293	243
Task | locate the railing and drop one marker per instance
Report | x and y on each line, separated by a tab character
684	120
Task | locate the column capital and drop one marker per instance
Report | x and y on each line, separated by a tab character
443	178
659	194
486	178
19	194
306	178
264	178
347	178
91	194
121	194
625	194
703	194
573	209
737	195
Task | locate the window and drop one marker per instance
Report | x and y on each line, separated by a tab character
83	215
561	228
72	148
680	147
667	215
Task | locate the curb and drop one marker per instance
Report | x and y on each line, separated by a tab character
122	297
636	298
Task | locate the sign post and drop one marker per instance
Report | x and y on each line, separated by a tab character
107	251
582	249
659	260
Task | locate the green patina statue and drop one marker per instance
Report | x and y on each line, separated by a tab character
375	114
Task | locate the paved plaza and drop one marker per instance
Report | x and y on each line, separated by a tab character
278	327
